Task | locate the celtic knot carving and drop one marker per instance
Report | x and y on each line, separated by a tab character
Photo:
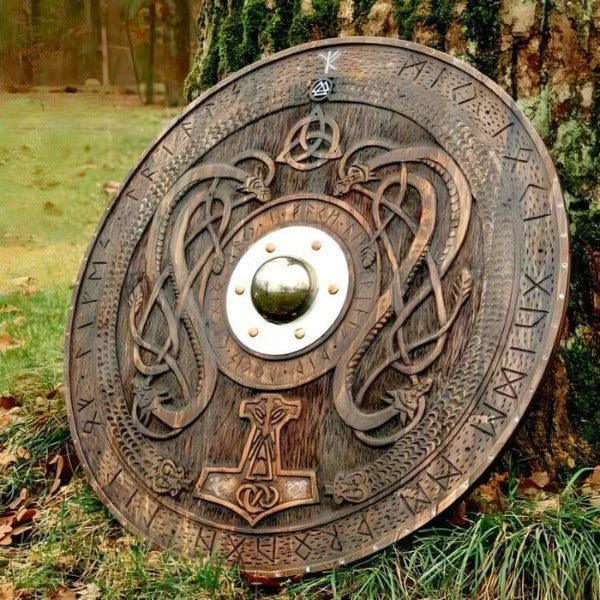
313	141
410	358
259	485
212	193
319	306
170	479
377	170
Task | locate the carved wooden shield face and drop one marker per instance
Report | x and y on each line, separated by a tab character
318	307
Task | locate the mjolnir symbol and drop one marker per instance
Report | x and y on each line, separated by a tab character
258	486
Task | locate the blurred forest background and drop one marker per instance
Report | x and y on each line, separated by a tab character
144	46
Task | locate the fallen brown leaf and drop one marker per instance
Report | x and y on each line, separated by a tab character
7	342
7	591
489	497
111	187
63	593
19	529
27	284
64	465
85	168
7	309
8	402
545	505
7	458
89	591
22	453
14	524
4	529
22	281
591	487
593	480
534	484
58	391
23	495
25	515
458	516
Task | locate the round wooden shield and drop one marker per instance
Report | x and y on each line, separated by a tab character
318	307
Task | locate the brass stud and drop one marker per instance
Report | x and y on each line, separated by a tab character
299	333
239	289
270	247
316	245
253	332
333	288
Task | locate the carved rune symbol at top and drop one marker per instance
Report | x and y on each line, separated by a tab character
259	486
330	59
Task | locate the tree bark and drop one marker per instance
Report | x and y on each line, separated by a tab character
547	56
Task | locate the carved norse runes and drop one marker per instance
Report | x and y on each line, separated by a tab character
259	486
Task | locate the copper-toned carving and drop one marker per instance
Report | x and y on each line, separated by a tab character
318	308
259	486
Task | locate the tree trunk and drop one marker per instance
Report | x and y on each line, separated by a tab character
177	48
92	50
547	56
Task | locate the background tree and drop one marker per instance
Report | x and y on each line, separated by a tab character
547	56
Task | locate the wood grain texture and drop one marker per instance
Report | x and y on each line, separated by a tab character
452	223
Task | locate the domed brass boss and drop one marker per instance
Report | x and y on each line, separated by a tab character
283	289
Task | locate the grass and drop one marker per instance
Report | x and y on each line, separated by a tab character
536	549
56	154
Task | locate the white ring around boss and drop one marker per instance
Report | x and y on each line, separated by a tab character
331	278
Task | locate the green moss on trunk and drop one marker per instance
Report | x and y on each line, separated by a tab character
482	29
406	14
440	18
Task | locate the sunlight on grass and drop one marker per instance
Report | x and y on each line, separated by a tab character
37	324
56	153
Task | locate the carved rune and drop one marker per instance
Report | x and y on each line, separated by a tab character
259	486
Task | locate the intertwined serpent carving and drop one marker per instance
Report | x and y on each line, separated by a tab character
216	191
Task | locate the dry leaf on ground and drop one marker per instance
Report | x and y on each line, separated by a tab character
19	500
22	453
111	187
7	591
591	487
58	391
63	593
7	458
7	342
7	309
15	523
458	516
489	497
534	484
64	464
89	592
27	284
7	402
